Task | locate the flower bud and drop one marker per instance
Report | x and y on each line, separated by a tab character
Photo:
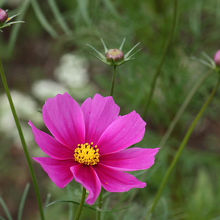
217	58
3	15
114	55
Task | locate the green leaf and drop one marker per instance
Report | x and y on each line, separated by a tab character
83	7
129	52
59	17
15	29
2	218
42	19
22	203
122	44
104	45
47	199
5	208
111	8
85	205
137	51
69	201
99	53
10	23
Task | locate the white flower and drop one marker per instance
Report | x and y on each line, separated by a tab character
45	89
72	71
26	108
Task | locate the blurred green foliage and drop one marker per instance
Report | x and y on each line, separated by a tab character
32	50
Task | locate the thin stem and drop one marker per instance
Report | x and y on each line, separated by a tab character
80	208
113	81
100	203
158	70
181	148
23	142
182	109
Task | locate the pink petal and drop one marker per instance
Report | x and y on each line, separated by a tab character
99	113
89	179
64	118
131	159
117	181
58	170
50	146
122	133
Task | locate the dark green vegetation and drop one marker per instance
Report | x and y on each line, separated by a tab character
32	51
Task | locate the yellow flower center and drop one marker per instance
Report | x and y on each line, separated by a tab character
87	154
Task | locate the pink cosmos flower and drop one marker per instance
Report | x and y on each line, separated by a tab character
89	144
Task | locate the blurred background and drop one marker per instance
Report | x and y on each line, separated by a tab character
48	55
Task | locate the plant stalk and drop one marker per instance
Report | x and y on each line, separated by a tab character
159	68
100	203
181	148
23	142
80	208
113	80
182	109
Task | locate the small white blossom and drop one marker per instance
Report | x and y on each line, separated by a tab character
72	71
45	89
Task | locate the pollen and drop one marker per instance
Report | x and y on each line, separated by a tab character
87	154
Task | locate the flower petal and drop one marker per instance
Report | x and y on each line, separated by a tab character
131	159
87	176
99	113
58	170
117	181
64	118
50	146
122	133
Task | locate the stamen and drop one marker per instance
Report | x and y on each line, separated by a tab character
87	154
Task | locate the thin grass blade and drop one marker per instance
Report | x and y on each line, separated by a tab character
23	200
84	10
59	17
42	19
5	208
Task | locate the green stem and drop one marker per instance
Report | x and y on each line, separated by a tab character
100	203
182	109
113	81
158	70
181	148
23	142
80	208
